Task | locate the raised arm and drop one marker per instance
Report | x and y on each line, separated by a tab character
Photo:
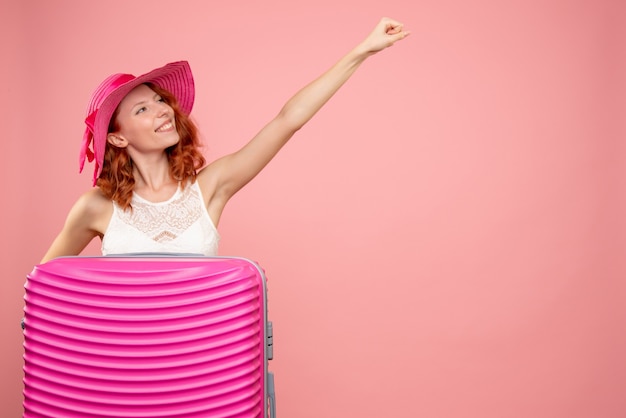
232	172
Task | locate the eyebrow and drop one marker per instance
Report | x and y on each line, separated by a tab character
144	101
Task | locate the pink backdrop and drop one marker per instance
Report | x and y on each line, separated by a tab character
445	239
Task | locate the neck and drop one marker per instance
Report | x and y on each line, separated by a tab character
152	175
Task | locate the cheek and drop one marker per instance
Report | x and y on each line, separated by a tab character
135	128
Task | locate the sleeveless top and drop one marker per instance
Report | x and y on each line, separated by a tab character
180	224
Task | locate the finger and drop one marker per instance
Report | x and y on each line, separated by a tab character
398	36
391	25
393	30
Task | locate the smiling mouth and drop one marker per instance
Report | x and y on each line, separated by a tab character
167	126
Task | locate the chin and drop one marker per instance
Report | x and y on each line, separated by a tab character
174	139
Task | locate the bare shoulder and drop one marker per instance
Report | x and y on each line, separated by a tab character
93	202
214	198
88	218
93	210
207	180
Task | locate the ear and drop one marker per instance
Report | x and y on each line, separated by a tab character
117	141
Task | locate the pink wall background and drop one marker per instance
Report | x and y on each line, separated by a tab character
445	239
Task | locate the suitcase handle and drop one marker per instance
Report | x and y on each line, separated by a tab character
271	394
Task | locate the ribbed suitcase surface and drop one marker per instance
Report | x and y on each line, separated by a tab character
144	336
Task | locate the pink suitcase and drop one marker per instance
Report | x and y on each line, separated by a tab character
147	336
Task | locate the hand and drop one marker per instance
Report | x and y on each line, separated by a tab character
386	33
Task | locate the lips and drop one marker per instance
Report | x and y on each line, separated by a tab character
166	127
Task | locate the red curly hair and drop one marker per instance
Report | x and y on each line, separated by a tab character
116	179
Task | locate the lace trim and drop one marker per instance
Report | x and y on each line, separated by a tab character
165	221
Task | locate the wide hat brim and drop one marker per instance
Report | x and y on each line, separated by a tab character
175	77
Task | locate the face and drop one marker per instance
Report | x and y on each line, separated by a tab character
146	123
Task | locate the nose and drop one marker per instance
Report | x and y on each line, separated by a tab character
163	109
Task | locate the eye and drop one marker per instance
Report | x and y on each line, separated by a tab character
160	99
141	110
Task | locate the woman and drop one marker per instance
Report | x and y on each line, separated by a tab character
153	194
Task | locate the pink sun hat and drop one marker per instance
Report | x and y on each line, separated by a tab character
174	77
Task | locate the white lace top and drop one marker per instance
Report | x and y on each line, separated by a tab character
180	224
